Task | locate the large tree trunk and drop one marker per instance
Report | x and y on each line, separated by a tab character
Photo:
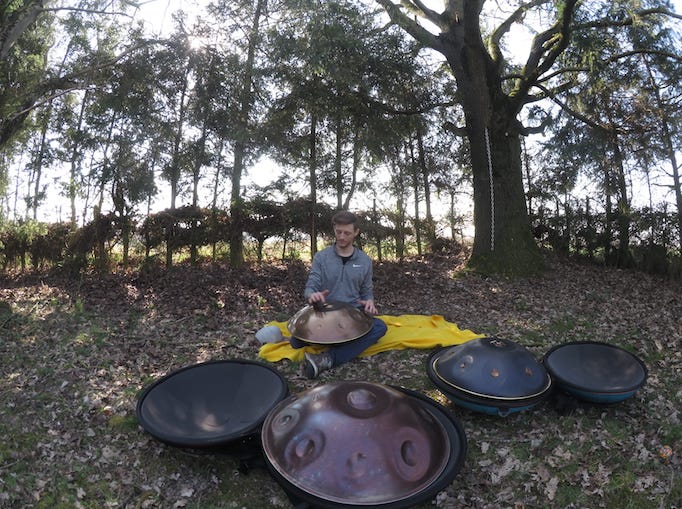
503	240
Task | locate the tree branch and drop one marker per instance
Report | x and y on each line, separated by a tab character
417	7
515	17
411	26
610	23
575	114
545	50
456	130
87	11
56	87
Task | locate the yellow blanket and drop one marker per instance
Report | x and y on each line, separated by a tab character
404	331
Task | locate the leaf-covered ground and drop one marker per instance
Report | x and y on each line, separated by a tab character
75	355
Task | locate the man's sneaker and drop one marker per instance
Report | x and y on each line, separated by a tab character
314	364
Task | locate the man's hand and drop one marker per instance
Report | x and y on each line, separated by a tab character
318	297
369	306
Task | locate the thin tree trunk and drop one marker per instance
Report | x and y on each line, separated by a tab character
245	106
529	180
214	201
375	218
415	192
38	167
357	154
338	166
623	206
312	175
426	185
608	211
670	149
74	166
174	176
399	187
196	176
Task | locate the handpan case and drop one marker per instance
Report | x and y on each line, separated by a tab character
491	375
330	322
211	404
595	372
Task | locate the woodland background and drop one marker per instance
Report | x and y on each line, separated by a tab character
134	239
112	138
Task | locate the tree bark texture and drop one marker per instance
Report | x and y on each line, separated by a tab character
503	241
245	106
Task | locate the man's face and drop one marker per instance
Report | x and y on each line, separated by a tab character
345	234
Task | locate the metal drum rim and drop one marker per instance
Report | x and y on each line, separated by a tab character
546	387
451	465
561	381
217	440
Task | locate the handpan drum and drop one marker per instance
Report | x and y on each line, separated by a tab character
329	323
210	404
595	372
491	375
355	443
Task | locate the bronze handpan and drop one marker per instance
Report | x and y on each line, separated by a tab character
329	322
358	443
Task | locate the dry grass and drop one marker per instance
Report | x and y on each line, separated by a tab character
76	354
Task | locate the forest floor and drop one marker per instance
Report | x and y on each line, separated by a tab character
75	355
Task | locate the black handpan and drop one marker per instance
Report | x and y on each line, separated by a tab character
210	404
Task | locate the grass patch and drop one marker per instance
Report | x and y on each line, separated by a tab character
72	374
123	423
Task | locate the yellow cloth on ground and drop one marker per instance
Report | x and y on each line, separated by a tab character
404	331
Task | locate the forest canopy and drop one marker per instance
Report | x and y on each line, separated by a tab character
539	123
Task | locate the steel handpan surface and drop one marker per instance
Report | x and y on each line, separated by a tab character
490	368
490	375
350	444
211	403
331	322
595	371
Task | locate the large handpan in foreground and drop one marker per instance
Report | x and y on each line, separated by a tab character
350	444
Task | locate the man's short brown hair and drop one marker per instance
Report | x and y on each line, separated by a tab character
345	217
